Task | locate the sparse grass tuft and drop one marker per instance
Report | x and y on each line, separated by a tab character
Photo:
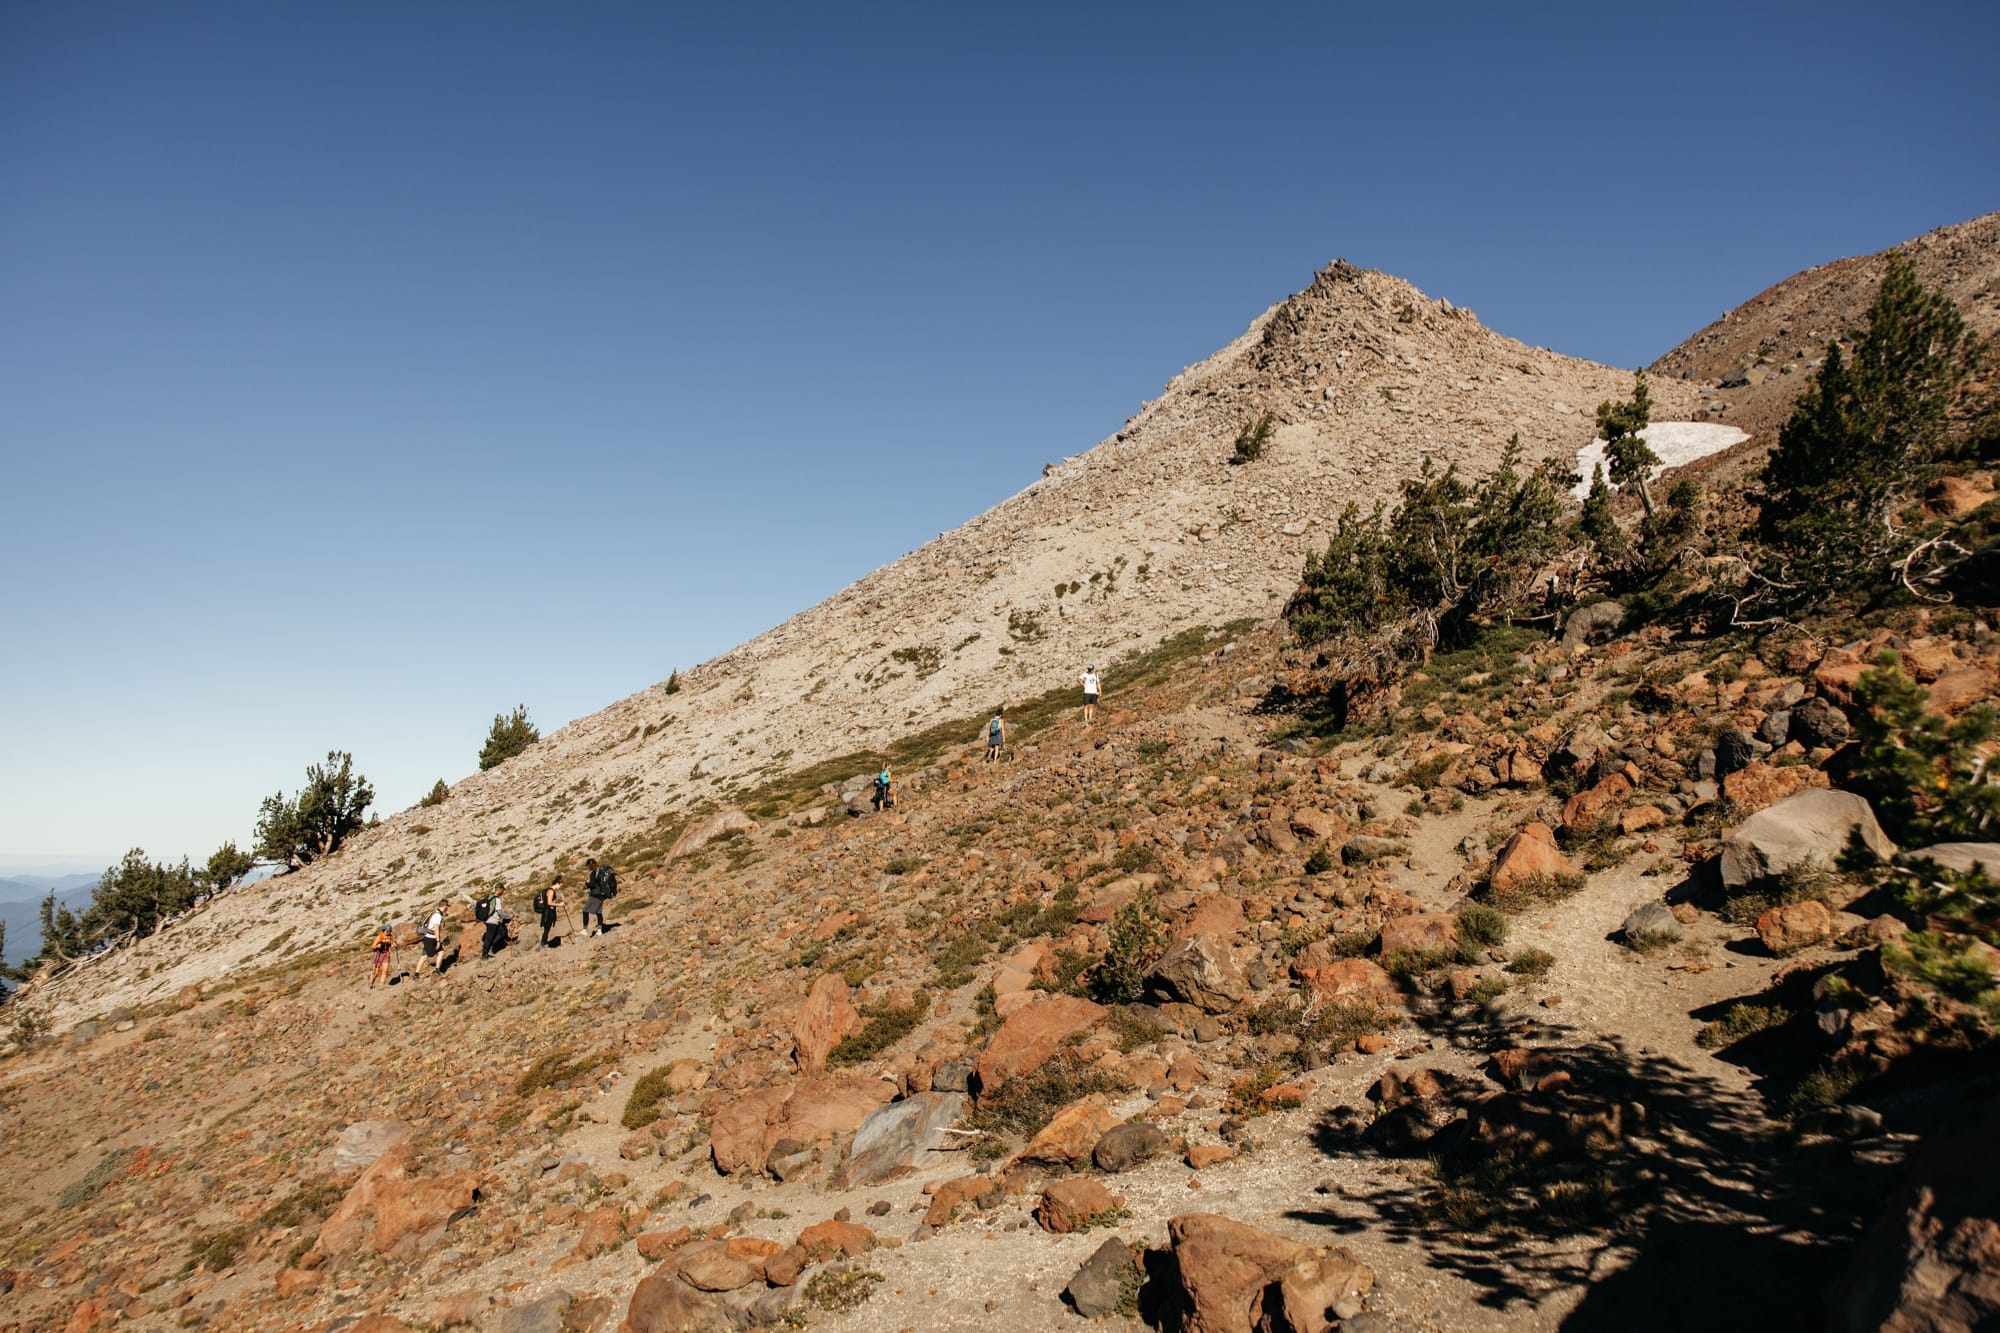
642	1108
1023	1106
1741	1021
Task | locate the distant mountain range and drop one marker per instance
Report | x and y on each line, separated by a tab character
20	907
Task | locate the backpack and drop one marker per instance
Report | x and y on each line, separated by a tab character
482	908
541	900
604	882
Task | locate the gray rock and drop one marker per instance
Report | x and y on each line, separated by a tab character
1654	919
1817	724
1776	728
898	1135
1735	750
1363	848
952	1076
1596	621
1811	826
1200	971
1578	748
544	1316
365	1140
1959	858
1126	1146
1096	1288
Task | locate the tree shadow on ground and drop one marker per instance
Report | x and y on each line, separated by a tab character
1703	1209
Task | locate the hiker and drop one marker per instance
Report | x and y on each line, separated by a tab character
996	735
385	948
496	918
600	884
885	790
548	902
1090	691
433	941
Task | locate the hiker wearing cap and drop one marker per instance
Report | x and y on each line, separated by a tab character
432	940
996	735
385	948
1090	683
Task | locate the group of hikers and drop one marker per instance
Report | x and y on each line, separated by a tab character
601	881
600	886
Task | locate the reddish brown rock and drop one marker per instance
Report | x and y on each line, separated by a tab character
1026	1041
1348	979
1760	785
1529	856
954	1194
189	997
1231	1275
827	1016
1793	926
293	1281
1586	807
1641	818
1518	768
707	1265
1212	914
1072	1204
1958	689
740	1131
783	1268
1203	1155
659	1244
836	1237
663	1303
1420	932
392	1210
1069	1137
602	1229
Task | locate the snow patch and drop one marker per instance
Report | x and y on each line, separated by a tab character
1676	442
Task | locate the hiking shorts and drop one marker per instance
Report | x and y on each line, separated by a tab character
1089	698
430	946
594	907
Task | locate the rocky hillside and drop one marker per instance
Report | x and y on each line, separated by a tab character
1758	356
1145	534
1552	990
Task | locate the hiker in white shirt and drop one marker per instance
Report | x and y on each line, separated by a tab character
1091	689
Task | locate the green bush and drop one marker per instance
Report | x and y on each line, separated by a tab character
1481	924
1926	775
1023	1106
1135	945
436	796
1741	1021
510	734
1534	964
1319	861
884	1025
642	1107
1250	441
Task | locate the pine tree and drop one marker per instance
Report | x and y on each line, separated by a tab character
1864	436
315	822
1925	774
1599	525
511	734
226	865
1623	427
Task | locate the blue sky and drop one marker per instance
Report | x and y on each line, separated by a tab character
366	369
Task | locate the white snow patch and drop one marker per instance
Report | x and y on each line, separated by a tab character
1676	442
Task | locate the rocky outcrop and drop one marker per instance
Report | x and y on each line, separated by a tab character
1811	826
1235	1278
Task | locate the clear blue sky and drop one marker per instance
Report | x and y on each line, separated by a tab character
366	369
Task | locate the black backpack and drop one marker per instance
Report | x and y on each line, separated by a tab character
604	882
482	907
541	901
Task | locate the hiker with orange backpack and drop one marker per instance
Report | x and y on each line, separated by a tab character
385	949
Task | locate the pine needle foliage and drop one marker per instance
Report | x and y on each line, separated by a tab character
510	734
1925	774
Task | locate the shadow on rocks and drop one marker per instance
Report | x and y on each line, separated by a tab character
1665	1195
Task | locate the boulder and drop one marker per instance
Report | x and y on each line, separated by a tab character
1126	1146
1530	855
1421	932
1736	749
1200	971
662	1303
1651	920
740	1133
1031	1036
1115	895
1237	1279
1216	914
948	1198
819	1110
1812	826
1817	724
542	1316
834	1236
1346	979
1097	1288
1070	1136
1072	1204
1790	927
1587	807
707	1265
363	1142
1953	691
189	997
1959	858
827	1016
393	1211
1756	786
1577	750
895	1138
1587	624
